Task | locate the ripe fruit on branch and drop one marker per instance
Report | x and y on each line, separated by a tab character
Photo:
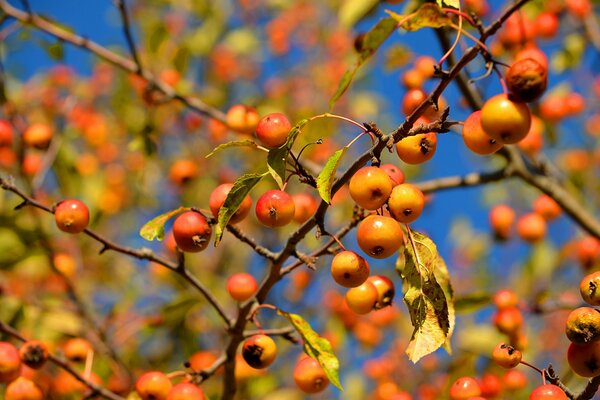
546	207
362	299
6	134
475	137
379	236
38	136
10	362
583	325
531	227
548	392
77	349
34	354
185	391
349	269
395	173
183	171
275	208
23	389
242	119
534	141
546	25
508	320
241	286
506	298
526	80
464	388
272	130
370	187
217	199
259	351
588	251
305	207
505	120
418	148
584	359
589	287
506	356
310	376
385	291
191	232
502	218
406	203
71	216
514	379
153	385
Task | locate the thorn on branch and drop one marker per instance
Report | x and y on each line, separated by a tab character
24	203
104	249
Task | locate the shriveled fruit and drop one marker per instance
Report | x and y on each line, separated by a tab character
505	120
272	130
34	354
584	359
526	80
506	356
275	208
217	199
191	232
71	216
583	325
406	203
349	269
370	187
362	299
476	139
548	392
310	376
589	287
464	388
259	351
153	385
379	236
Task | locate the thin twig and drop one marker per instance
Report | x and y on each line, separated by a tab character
128	34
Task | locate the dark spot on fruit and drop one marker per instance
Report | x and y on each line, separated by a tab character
425	146
592	364
346	275
376	194
377	250
252	355
407	211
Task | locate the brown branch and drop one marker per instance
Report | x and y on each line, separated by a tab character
592	30
127	32
64	365
270	332
472	179
113	58
261	250
142	254
201	376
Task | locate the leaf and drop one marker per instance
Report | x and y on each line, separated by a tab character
429	15
316	347
371	42
352	11
471	302
449	3
56	51
327	175
241	187
428	296
235	143
155	228
276	160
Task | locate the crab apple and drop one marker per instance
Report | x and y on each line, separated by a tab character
526	80
588	250
535	54
413	79
10	362
406	203
153	385
553	108
272	130
362	299
370	187
34	354
23	389
502	218
506	298
202	359
464	388
242	119
6	133
491	385
38	135
506	356
418	148
185	391
505	120
426	66
77	349
534	141
379	236
395	173
217	199
183	171
71	216
589	287
531	227
275	208
579	8
305	207
191	231
508	320
547	207
546	25
259	351
583	325
475	137
514	379
349	269
385	291
310	376
412	99
241	286
584	359
548	392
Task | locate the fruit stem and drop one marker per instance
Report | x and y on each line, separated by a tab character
89	361
329	115
176	374
338	242
460	14
473	38
542	372
451	49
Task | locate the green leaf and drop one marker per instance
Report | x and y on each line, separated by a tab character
316	347
276	160
235	143
371	42
155	228
471	302
327	175
429	15
428	296
352	11
56	51
449	3
241	187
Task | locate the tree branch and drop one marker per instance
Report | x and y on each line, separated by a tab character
128	34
